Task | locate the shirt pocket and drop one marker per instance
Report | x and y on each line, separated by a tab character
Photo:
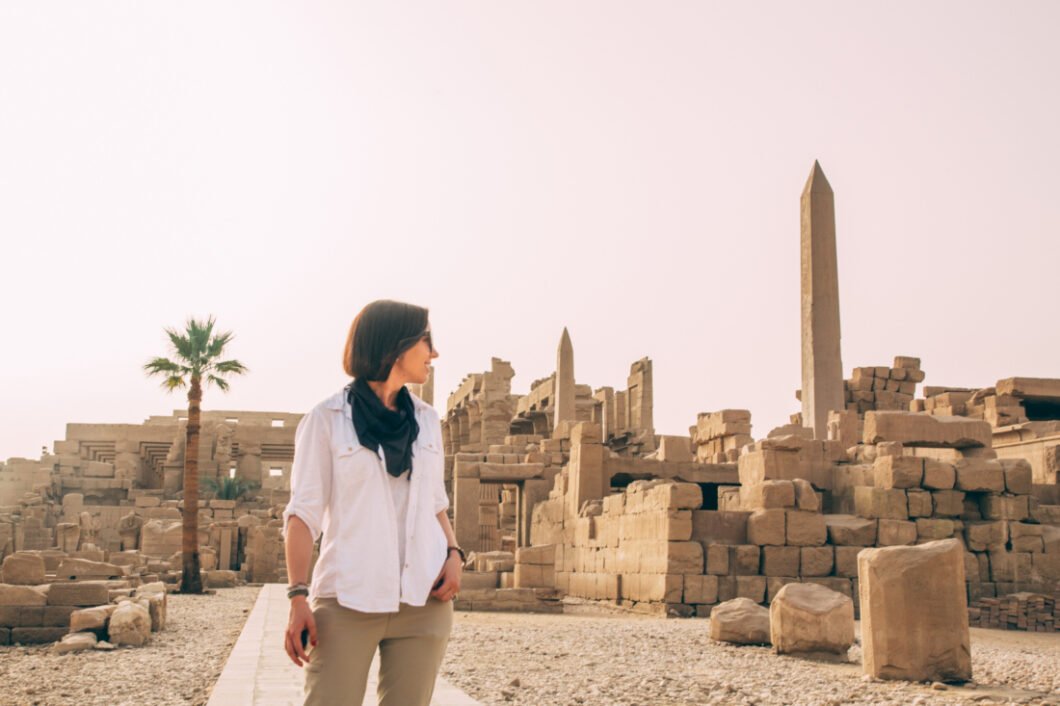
352	477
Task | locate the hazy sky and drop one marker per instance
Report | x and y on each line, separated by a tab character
629	170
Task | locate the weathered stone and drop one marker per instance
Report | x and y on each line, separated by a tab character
983	536
938	475
807	617
851	530
91	619
130	624
914	429
780	561
1013	508
934	528
881	503
893	532
806	497
744	559
74	642
898	471
980	475
221	578
914	612
1018	475
21	595
23	569
717	559
740	620
919	503
806	529
82	593
767	495
766	527
947	503
157	603
816	561
80	569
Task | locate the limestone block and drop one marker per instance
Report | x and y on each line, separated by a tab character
91	619
147	501
806	497
935	528
74	642
914	612
23	569
80	569
816	561
750	587
914	429
82	593
767	495
947	503
1051	539
535	576
67	536
846	561
1026	537
805	529
674	496
479	579
780	561
740	620
919	503
1014	508
766	527
719	526
1046	566
767	464
1009	566
898	471
744	559
980	475
717	559
22	595
881	503
545	554
1018	475
221	578
983	536
701	589
807	617
130	624
938	475
851	530
156	604
893	532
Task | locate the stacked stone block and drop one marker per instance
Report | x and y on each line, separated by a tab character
883	388
1033	612
717	437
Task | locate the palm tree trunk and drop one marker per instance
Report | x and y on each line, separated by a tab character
191	579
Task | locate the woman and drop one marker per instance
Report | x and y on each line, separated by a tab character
368	474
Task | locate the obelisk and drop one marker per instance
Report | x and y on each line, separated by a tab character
822	365
564	389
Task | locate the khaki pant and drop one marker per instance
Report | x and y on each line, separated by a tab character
411	645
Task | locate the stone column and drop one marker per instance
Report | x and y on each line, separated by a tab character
822	366
563	391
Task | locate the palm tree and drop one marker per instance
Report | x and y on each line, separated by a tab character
196	351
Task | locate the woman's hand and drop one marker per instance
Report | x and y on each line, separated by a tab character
448	580
301	619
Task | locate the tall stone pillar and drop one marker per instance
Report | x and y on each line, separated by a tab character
564	387
822	366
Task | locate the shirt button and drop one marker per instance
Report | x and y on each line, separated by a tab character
406	566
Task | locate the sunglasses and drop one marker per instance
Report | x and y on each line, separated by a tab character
413	340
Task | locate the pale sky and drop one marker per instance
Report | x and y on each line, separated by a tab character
629	170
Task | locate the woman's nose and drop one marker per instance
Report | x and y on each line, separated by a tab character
434	353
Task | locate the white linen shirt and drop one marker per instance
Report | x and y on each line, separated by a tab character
340	488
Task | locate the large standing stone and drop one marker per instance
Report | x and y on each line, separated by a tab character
740	620
807	617
24	569
564	387
822	365
914	612
130	624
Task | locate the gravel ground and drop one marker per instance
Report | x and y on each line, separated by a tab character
623	659
178	666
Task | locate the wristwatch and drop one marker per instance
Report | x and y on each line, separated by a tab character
458	550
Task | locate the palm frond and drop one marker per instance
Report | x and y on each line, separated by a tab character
217	344
157	366
221	384
230	367
174	381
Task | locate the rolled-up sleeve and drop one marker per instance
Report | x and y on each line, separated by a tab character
441	499
310	472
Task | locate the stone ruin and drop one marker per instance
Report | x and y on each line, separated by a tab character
567	490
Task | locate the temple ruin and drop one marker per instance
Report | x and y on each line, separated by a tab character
566	490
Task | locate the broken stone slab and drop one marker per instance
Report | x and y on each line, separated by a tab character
18	595
914	612
23	568
740	620
80	569
809	618
74	642
915	429
81	593
1034	389
91	619
221	578
851	530
806	497
130	624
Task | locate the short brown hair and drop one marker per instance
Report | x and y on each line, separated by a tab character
381	332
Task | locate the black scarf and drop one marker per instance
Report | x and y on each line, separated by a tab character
378	426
